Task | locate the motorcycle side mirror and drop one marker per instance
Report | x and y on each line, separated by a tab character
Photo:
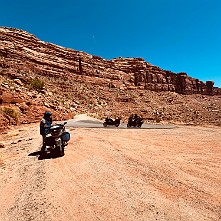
65	122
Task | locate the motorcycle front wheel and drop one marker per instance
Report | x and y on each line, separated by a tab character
61	150
58	151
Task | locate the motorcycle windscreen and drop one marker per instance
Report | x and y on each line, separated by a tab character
66	136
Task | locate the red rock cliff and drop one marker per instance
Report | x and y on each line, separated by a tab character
23	51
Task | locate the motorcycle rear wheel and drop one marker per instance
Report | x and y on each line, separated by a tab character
104	124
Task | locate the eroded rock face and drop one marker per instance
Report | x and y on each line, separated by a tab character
77	82
25	52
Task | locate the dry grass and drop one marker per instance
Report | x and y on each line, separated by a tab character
37	84
10	112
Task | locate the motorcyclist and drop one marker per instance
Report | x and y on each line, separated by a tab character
109	120
45	125
130	119
136	118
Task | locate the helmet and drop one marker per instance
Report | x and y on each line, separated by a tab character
47	115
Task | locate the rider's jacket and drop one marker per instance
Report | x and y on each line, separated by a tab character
44	126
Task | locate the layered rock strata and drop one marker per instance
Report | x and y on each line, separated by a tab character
25	53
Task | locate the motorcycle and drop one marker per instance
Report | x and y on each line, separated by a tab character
135	122
109	121
57	139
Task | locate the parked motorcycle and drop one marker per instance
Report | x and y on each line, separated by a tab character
58	139
109	121
135	122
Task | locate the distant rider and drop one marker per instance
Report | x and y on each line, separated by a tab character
130	119
45	125
109	120
136	118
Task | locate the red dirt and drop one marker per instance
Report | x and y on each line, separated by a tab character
113	174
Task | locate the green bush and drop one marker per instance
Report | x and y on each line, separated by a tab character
37	84
9	112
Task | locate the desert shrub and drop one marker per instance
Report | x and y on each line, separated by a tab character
37	84
9	112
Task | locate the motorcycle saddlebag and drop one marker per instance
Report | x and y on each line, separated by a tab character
65	136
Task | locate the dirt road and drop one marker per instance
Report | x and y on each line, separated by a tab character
113	174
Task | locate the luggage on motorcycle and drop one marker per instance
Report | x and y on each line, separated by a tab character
55	130
65	136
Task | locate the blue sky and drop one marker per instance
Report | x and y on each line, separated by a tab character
176	35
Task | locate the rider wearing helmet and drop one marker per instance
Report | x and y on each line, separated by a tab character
136	119
45	125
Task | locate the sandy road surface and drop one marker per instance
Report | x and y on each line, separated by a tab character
113	174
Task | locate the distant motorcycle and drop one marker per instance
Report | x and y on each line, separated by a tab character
135	122
57	139
109	121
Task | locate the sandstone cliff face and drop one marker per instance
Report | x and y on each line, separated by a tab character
21	50
77	82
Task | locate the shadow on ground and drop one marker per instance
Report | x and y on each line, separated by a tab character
44	155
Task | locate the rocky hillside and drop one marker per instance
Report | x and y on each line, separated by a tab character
36	76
